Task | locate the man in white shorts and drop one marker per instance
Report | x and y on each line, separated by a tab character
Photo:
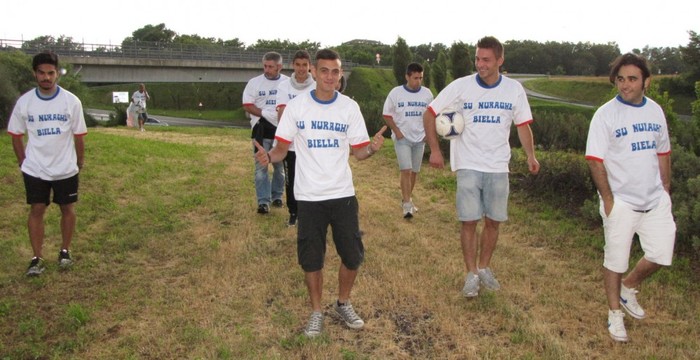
403	112
629	154
490	103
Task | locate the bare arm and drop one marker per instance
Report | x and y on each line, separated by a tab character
528	143
80	150
18	147
253	110
600	179
276	154
436	159
371	148
665	171
392	125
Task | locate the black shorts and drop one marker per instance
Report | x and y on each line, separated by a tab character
65	191
312	227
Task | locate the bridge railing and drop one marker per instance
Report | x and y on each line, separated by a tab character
149	50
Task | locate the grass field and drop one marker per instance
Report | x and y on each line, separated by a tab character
172	262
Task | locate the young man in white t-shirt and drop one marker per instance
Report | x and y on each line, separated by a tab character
52	119
324	126
403	112
490	103
139	99
300	82
629	154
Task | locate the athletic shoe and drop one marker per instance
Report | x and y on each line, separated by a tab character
616	325
488	279
65	261
292	220
36	267
628	300
349	316
415	209
407	210
263	209
315	325
277	203
471	285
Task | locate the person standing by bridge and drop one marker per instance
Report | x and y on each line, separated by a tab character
139	99
53	120
260	101
300	82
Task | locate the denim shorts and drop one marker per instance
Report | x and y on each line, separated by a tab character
482	194
409	154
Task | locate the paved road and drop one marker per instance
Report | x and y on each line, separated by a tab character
104	114
548	97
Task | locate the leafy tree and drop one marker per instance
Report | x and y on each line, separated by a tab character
440	71
460	60
15	79
47	42
604	55
426	74
402	57
691	57
157	34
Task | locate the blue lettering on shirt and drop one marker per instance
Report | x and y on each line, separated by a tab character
53	117
642	127
621	132
644	145
48	131
413	114
323	143
488	119
328	125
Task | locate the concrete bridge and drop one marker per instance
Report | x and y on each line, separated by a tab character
152	62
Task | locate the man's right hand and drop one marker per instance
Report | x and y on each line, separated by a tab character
261	156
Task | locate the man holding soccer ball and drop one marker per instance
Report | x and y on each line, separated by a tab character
489	103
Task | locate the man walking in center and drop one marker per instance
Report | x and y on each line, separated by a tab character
139	99
403	112
53	120
260	101
490	103
629	154
325	125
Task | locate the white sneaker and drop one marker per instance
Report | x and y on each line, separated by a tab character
488	279
616	325
315	325
471	285
628	300
407	210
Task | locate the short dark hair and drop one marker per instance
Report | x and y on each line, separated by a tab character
327	54
490	42
301	54
413	68
45	57
629	59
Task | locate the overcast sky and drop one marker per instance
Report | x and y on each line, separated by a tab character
632	25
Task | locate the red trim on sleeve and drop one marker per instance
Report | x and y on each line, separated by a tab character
589	157
360	145
280	106
664	154
432	111
81	135
525	123
388	117
248	104
15	135
283	140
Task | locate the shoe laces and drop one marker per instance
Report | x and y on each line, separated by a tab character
631	296
616	321
348	313
315	322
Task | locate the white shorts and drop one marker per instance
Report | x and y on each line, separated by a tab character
656	230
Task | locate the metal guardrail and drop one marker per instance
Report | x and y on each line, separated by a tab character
150	50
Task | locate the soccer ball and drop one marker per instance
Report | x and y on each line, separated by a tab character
449	124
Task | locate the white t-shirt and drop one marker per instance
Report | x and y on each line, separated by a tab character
489	112
139	99
628	138
287	91
50	125
323	132
262	92
406	107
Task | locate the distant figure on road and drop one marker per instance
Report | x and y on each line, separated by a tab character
260	101
52	119
403	112
490	103
629	154
139	99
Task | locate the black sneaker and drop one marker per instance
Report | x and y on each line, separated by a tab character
263	209
36	267
292	220
277	203
65	261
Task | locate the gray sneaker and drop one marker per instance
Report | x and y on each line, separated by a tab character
471	285
407	210
36	267
65	261
488	279
349	316
315	325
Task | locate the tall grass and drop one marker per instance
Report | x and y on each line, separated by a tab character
173	262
